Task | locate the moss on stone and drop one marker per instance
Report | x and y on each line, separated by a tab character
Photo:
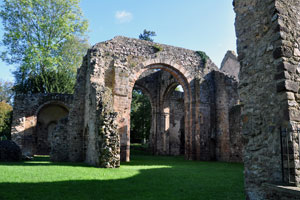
203	55
157	48
131	62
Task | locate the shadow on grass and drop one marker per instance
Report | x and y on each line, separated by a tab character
138	159
162	183
174	179
42	162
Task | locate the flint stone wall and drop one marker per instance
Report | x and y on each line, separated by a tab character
59	143
268	48
97	130
25	117
116	65
230	65
228	138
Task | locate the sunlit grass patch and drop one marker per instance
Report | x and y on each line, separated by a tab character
145	177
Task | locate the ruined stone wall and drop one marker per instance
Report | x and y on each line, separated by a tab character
60	144
77	128
235	134
280	192
158	86
116	65
25	117
268	48
176	126
204	126
167	126
228	137
97	129
230	65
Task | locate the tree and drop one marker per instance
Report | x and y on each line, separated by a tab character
40	37
62	80
6	92
140	122
5	120
147	35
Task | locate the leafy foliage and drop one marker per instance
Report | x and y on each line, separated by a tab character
147	35
140	122
5	120
203	55
157	48
61	81
179	88
6	92
42	37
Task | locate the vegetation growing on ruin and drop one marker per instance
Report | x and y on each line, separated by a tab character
157	48
131	62
204	56
147	35
145	177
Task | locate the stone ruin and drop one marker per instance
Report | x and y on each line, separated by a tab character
93	125
97	128
35	116
268	39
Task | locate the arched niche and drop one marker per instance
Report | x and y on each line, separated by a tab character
48	116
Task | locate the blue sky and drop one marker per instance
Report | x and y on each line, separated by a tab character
206	25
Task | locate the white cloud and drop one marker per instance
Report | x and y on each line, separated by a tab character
123	16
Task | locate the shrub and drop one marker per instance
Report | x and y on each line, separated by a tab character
5	120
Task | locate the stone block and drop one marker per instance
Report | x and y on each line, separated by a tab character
286	66
282	75
294	115
282	52
287	85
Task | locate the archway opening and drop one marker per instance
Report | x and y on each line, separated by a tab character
163	109
140	118
47	119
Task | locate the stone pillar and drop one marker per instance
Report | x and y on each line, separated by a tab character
268	48
222	118
122	106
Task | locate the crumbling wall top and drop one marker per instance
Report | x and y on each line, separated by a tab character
124	49
230	65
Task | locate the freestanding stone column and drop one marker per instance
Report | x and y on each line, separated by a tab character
268	39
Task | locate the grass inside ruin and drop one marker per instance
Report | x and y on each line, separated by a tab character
145	177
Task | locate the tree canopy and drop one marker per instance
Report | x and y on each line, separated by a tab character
147	35
45	39
6	92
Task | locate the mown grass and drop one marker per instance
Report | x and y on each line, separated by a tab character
145	177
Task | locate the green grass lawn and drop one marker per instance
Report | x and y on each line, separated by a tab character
145	177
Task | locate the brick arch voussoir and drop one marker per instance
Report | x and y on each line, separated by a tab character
181	75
